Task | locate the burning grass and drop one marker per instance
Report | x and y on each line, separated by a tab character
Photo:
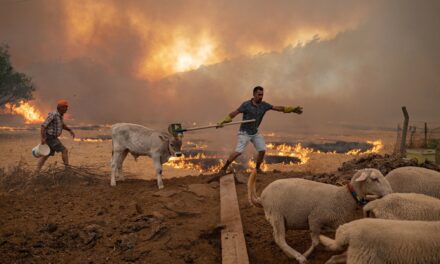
198	158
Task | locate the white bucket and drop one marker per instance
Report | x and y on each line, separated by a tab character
40	150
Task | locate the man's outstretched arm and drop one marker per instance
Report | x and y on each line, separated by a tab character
288	109
228	118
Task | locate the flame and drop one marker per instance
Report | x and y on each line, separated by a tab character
354	152
252	164
377	147
183	163
29	112
297	151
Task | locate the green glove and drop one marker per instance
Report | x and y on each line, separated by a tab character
290	109
227	119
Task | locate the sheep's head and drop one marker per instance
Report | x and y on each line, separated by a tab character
370	184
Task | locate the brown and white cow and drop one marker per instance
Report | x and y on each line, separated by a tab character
141	141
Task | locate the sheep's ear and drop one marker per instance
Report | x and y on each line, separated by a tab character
362	177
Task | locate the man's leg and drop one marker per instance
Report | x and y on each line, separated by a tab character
260	159
231	158
65	157
242	141
41	162
260	146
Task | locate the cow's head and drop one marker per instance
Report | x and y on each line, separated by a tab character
174	144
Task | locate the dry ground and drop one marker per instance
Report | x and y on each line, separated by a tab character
83	220
75	217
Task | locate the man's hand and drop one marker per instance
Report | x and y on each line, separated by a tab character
43	141
71	133
227	119
289	109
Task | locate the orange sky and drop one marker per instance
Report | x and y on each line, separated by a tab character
179	44
144	61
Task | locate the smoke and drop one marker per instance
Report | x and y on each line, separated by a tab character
345	62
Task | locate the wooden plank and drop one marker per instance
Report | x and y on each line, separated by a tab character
234	249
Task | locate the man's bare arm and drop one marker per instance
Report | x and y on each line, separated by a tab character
65	127
234	114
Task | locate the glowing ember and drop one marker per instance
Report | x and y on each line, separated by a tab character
30	114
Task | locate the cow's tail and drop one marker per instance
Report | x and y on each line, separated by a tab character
252	190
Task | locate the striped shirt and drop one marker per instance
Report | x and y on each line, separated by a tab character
53	124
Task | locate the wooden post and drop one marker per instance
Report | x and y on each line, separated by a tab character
404	131
234	249
426	135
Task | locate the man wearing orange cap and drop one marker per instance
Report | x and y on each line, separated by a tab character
50	131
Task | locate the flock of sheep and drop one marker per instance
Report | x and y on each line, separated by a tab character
402	223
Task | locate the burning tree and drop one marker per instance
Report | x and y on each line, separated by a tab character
14	86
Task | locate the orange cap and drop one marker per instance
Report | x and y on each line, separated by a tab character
62	102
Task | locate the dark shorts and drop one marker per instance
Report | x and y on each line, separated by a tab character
54	144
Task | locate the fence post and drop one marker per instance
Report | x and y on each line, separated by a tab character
404	131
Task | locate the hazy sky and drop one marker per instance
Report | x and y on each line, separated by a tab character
345	62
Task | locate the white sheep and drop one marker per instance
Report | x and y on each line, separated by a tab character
404	206
303	204
373	241
415	180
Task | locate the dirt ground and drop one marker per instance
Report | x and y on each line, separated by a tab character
73	219
74	216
